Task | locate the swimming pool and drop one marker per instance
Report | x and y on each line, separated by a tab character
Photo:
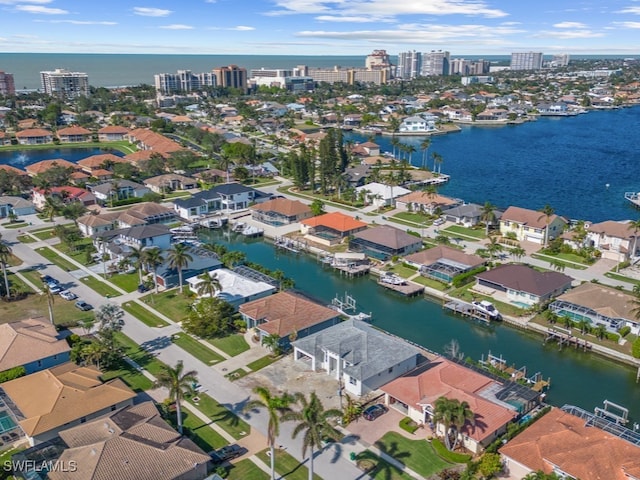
520	304
6	422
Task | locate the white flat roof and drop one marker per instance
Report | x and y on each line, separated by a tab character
234	286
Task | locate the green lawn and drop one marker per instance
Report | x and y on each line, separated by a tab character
418	455
416	218
224	418
465	232
56	259
465	294
262	362
144	315
383	470
132	350
132	377
232	345
26	239
287	466
99	286
405	223
197	349
430	282
402	270
32	275
13	226
79	251
246	470
171	303
559	260
126	281
43	234
64	312
622	278
201	433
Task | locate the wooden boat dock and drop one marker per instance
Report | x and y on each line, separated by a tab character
536	382
466	310
352	270
290	245
408	289
565	337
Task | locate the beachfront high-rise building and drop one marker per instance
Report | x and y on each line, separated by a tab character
460	66
231	76
526	61
183	81
281	78
7	85
378	59
409	64
559	60
435	62
62	83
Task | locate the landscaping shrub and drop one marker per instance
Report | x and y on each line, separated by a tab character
409	266
614	337
408	425
12	373
448	455
624	331
467	277
635	348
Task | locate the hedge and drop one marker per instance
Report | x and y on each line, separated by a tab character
408	425
614	337
635	348
12	373
467	277
624	331
447	454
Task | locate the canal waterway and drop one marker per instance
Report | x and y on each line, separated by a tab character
566	162
577	378
23	158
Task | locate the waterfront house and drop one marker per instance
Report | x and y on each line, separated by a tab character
44	165
169	182
361	358
134	442
227	198
366	149
73	135
495	404
383	242
96	163
598	305
330	228
116	190
444	263
381	195
356	176
65	195
146	139
168	277
468	215
32	343
116	243
425	202
236	289
417	124
60	397
616	241
34	136
280	211
15	205
4	138
531	225
287	315
573	443
521	284
112	133
146	213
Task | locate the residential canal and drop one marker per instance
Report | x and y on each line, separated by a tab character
582	379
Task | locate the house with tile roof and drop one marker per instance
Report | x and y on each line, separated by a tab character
34	136
358	356
112	133
14	170
425	202
115	190
15	205
616	241
169	182
330	228
52	400
145	213
32	343
521	284
228	197
286	315
101	161
598	305
280	211
492	402
133	443
468	215
383	242
531	225
117	243
66	195
444	263
41	167
567	445
146	139
74	134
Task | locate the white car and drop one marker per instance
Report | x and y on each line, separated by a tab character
55	289
68	295
438	221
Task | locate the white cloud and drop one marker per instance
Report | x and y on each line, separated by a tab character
633	25
80	22
385	8
633	10
568	34
242	28
351	19
13	2
177	26
151	12
210	1
570	25
40	10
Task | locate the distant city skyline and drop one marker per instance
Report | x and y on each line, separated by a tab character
319	27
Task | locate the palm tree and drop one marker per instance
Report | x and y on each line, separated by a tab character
437	159
94	352
493	246
453	415
153	258
209	284
410	149
635	226
518	253
179	383
314	422
51	298
424	146
547	213
600	331
5	254
178	257
136	254
488	216
276	406
51	208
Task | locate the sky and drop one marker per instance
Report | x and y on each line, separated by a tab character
320	27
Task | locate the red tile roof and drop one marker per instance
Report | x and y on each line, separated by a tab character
33	132
336	221
114	129
154	141
587	453
531	218
96	161
44	165
283	206
74	131
70	192
15	170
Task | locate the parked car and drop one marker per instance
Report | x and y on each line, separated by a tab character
229	452
54	288
374	411
142	288
84	306
438	221
68	295
48	279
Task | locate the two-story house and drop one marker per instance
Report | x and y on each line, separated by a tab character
226	198
531	225
615	240
115	190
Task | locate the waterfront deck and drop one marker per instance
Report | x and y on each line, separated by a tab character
466	310
290	245
565	337
408	289
634	198
352	270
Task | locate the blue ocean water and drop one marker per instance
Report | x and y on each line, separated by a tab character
581	166
27	157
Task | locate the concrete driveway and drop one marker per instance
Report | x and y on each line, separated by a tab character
370	431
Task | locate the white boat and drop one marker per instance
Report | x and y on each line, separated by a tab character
239	227
486	308
392	279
